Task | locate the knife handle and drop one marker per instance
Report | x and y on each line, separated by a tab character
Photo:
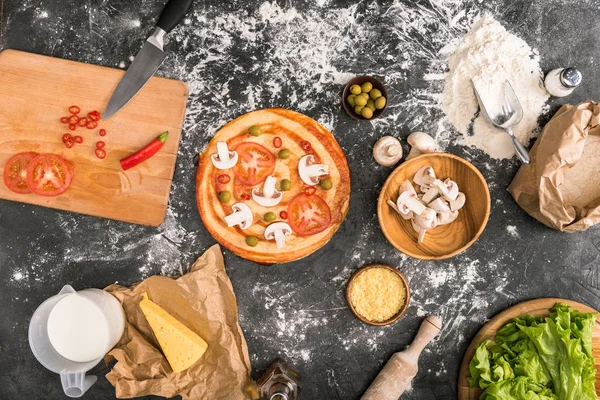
173	13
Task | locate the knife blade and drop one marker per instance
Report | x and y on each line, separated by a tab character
149	59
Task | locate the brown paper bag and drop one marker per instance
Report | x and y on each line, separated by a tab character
536	187
203	300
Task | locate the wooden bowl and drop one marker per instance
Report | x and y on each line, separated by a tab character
446	240
398	314
360	80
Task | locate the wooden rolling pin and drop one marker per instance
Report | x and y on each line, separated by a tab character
396	375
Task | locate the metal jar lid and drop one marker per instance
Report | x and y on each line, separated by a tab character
570	77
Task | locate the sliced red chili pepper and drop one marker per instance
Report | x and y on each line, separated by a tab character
100	144
306	146
277	142
91	125
223	178
73	119
72	127
94	116
143	154
100	153
309	191
82	122
244	196
283	215
69	143
102	132
74	110
78	139
64	120
66	137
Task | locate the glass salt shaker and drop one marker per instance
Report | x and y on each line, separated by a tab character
561	82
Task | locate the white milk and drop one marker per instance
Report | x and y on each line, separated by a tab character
78	329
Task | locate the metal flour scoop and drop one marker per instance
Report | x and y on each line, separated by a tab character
509	116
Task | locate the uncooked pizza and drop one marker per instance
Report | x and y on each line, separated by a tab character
273	186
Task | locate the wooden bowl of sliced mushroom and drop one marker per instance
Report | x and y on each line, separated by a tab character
434	206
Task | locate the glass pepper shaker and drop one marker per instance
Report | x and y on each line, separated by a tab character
561	82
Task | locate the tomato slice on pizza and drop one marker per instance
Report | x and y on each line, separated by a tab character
308	215
255	164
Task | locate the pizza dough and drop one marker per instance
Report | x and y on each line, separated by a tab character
314	218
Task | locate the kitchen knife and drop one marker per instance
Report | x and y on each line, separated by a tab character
149	58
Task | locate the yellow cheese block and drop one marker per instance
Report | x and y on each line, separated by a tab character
180	344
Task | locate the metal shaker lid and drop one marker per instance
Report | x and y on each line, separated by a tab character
570	77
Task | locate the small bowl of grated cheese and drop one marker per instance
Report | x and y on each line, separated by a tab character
378	294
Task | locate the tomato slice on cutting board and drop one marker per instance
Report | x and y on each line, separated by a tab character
308	215
15	172
49	175
256	163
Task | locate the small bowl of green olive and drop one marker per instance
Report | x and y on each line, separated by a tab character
364	98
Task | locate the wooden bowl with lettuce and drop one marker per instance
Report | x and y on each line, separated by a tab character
543	349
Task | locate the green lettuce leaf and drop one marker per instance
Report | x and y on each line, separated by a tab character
533	358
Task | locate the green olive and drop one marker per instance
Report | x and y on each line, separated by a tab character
252	241
366	87
371	105
283	154
225	196
380	102
270	216
375	94
360	101
326	184
355	89
254	130
358	109
367	113
285	185
351	100
365	95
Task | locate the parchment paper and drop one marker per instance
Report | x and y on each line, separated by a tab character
535	187
203	300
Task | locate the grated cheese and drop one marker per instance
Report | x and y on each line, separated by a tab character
377	294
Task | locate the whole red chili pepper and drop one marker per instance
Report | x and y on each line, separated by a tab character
143	154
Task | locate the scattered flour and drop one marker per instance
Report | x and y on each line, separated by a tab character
489	55
512	231
581	183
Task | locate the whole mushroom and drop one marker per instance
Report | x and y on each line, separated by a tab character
420	143
387	151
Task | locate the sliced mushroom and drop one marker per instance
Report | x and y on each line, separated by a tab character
419	230
424	177
223	158
270	196
410	201
310	172
405	213
387	151
427	219
406	186
242	216
278	231
430	195
459	202
439	205
420	143
446	217
448	189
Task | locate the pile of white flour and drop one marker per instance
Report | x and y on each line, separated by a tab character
489	55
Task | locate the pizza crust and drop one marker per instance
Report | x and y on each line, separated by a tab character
292	128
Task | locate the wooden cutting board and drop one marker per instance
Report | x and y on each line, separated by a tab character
36	91
537	307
